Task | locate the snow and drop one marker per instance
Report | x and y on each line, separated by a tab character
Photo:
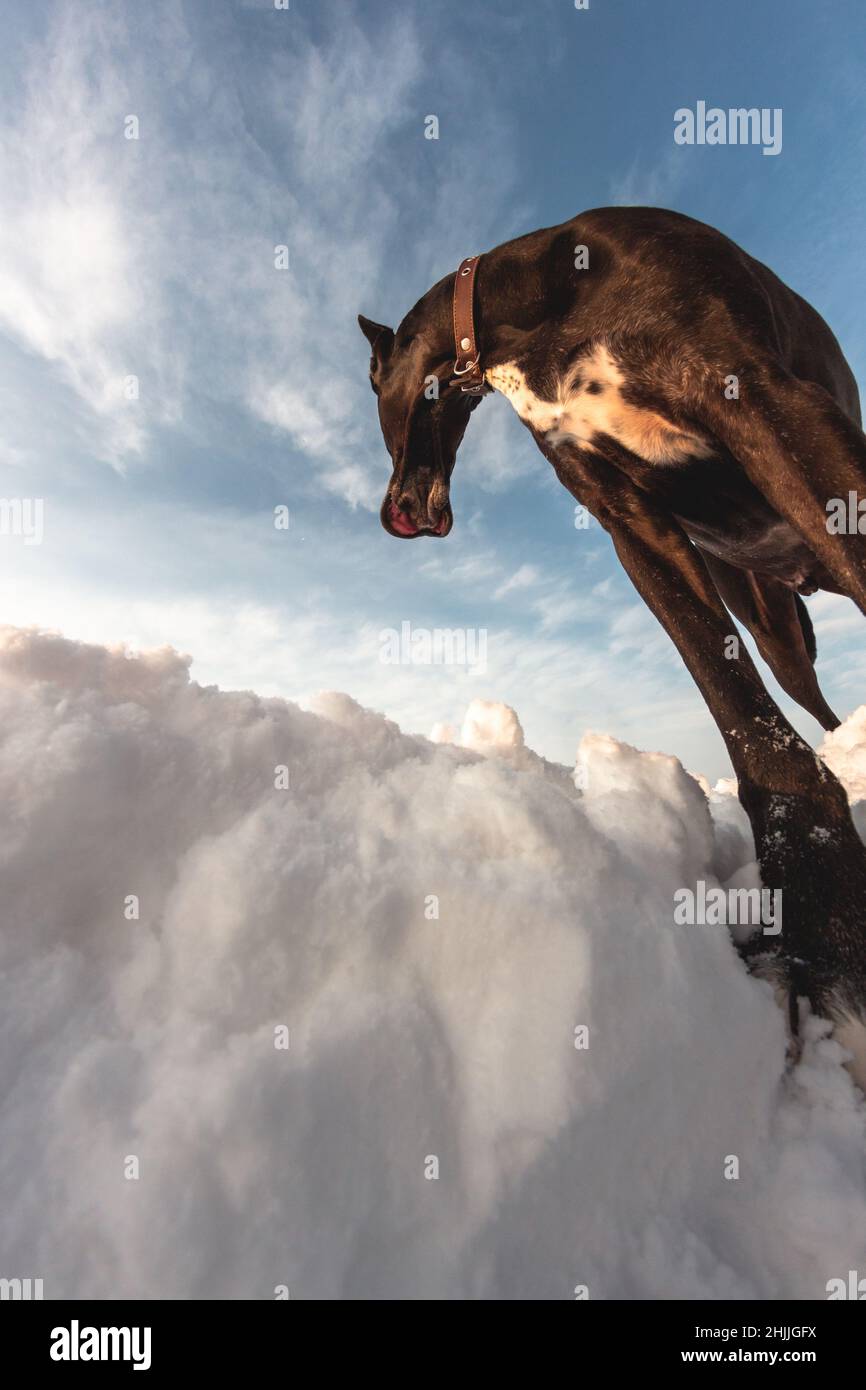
432	922
844	752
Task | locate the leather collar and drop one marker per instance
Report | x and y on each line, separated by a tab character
467	370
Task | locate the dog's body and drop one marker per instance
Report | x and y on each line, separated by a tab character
705	415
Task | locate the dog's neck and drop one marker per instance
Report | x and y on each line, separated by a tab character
508	305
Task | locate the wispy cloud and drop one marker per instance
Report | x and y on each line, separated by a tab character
154	257
523	578
651	184
75	257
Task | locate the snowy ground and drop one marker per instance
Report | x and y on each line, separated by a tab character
412	1037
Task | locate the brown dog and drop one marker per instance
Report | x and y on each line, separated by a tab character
705	415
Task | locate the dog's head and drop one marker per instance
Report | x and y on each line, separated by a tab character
422	414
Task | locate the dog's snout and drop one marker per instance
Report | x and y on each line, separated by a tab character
437	500
423	503
417	506
407	501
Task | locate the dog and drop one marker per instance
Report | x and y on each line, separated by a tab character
705	415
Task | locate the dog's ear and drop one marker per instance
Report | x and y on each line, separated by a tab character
380	338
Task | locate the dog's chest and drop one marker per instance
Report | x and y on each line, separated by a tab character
588	403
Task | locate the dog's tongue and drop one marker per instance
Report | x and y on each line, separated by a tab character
401	523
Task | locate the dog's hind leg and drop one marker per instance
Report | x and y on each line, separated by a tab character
777	619
802	452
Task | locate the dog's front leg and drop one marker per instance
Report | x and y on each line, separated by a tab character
805	840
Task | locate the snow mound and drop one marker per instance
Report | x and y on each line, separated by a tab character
508	1073
844	752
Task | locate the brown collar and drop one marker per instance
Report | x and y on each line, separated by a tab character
467	358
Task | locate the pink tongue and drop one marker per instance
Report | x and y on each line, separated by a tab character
402	523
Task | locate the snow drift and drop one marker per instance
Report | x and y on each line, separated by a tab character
434	925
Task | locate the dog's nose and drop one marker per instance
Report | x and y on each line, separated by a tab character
424	505
407	503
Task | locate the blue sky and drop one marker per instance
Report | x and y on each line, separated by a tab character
155	258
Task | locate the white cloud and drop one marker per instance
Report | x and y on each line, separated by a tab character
834	616
523	578
844	752
655	184
155	257
410	1035
71	281
497	451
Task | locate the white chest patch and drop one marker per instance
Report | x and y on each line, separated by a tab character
588	403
